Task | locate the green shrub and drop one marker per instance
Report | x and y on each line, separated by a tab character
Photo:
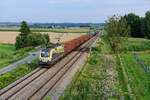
26	38
92	61
46	36
17	73
19	42
20	51
8	78
48	98
34	64
36	39
5	55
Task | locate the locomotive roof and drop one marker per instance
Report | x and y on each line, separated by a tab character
51	47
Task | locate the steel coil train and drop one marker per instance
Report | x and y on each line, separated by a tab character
51	54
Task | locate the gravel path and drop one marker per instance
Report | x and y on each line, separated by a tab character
28	59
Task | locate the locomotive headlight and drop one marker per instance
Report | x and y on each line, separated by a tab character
44	60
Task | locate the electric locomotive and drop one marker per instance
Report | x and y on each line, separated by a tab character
49	54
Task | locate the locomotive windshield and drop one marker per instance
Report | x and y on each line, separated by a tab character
45	54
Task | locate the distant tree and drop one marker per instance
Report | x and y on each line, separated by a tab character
25	31
21	40
26	38
135	24
117	28
46	36
124	28
19	43
36	39
147	21
144	30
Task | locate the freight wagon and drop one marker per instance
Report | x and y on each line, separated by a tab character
51	54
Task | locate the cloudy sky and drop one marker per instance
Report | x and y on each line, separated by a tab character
68	10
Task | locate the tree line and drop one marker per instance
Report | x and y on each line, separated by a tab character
27	38
118	31
119	28
140	26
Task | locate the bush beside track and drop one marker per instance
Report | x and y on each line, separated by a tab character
17	73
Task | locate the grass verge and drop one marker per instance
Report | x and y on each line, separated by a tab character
91	81
17	73
8	54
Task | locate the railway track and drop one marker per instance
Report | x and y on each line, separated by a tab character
37	84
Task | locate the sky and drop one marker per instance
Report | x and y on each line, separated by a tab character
59	11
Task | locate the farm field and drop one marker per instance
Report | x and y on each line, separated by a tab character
6	52
138	79
135	80
7	37
56	30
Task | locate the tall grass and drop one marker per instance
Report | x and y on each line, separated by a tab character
8	54
135	44
121	78
145	57
17	73
138	79
105	44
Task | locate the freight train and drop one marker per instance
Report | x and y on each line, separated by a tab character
51	54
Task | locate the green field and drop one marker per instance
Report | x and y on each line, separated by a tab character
137	44
145	57
17	73
8	54
56	30
138	79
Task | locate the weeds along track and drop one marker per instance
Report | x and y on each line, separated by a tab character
38	83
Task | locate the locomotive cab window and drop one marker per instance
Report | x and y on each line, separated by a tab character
45	54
